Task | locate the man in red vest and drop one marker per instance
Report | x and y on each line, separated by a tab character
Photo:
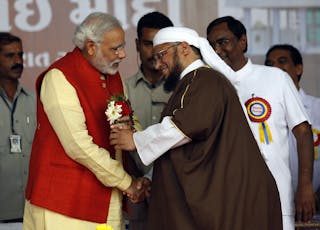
76	178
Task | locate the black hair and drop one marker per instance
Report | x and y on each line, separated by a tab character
293	51
234	25
155	20
7	38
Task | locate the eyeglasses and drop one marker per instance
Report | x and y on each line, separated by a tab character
223	42
159	55
117	50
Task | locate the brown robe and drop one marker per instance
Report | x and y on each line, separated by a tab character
218	181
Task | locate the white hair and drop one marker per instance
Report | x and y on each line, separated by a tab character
93	27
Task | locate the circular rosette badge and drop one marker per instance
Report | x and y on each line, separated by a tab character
259	110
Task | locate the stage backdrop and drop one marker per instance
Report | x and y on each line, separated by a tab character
46	26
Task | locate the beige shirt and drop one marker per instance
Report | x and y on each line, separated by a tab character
14	165
62	106
147	101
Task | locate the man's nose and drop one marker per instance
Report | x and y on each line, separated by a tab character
276	64
218	49
18	59
157	64
122	53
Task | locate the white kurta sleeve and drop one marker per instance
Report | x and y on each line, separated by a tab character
158	139
294	108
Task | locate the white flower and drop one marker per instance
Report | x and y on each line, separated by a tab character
113	112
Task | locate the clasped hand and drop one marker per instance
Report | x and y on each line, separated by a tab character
139	189
121	136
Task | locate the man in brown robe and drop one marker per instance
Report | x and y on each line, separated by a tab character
208	170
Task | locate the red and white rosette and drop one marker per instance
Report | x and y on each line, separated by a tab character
259	110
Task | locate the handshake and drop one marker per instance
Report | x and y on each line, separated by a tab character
121	138
139	189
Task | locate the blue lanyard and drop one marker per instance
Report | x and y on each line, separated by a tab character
14	105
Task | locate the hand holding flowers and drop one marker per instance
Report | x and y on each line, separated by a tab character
118	107
119	115
121	137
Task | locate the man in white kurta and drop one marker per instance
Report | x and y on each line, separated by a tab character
274	109
289	59
278	107
312	107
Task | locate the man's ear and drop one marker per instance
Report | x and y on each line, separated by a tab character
185	48
243	42
299	69
91	47
137	45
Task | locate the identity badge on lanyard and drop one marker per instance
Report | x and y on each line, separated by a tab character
15	143
14	139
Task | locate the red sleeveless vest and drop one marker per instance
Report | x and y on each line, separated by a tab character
56	182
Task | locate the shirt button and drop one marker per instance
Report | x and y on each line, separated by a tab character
104	85
154	118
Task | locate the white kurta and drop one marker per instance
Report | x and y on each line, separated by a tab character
286	111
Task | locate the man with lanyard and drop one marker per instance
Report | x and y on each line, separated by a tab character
17	126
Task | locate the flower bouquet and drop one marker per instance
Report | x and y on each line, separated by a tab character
118	106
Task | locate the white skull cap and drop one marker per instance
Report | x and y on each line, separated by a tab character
176	34
184	34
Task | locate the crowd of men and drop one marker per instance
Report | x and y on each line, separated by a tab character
214	141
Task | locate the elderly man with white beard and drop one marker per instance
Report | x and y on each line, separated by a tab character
76	178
